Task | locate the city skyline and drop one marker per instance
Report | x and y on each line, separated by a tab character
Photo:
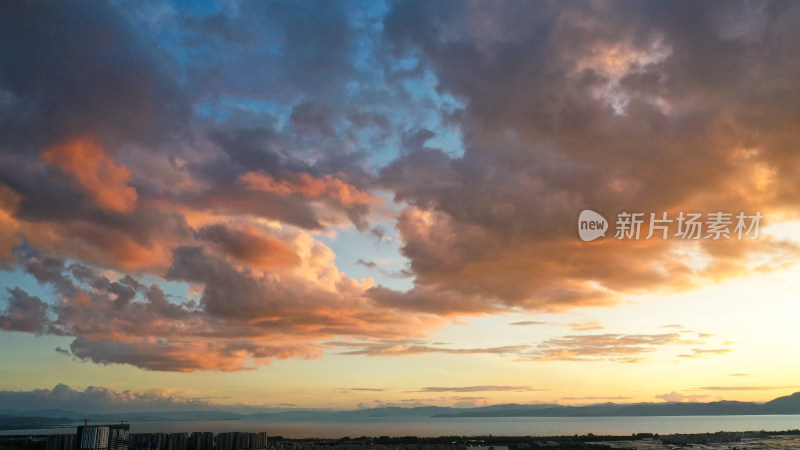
243	204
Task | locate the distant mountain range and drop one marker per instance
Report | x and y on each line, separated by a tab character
790	404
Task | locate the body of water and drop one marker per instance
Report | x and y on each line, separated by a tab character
498	426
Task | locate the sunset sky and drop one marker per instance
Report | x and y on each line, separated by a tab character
358	204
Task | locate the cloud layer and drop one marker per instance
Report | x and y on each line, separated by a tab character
102	399
221	149
595	106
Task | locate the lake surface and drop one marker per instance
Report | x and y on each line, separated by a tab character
472	426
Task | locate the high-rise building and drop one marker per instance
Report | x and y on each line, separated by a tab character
225	441
119	436
241	441
102	437
177	441
259	440
202	440
148	441
92	437
61	442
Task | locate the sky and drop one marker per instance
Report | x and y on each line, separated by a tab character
268	204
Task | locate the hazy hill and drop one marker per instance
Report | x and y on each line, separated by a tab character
782	405
790	404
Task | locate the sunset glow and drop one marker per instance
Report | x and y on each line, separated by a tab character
348	205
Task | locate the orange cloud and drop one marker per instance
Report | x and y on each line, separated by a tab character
9	226
94	242
306	185
84	239
249	246
556	272
614	347
404	348
86	161
188	355
243	317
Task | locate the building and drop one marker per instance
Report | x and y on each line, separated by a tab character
225	441
92	437
103	437
119	436
202	440
61	442
259	440
241	441
148	441
177	441
233	440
